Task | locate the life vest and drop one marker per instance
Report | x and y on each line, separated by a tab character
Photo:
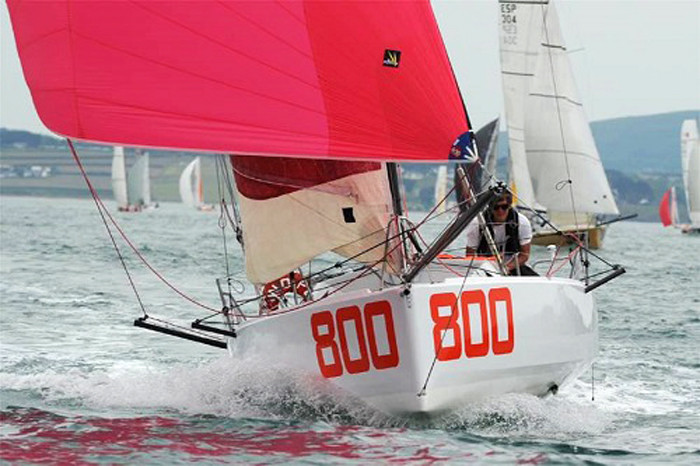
512	224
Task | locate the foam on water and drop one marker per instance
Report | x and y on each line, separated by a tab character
246	388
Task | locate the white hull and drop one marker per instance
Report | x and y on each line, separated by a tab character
553	339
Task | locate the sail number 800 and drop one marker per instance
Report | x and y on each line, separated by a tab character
325	328
475	332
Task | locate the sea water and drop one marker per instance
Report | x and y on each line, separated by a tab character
80	384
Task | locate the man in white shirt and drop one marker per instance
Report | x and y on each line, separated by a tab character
511	231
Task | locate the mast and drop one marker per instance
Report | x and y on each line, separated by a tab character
392	169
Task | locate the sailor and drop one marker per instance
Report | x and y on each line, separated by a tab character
511	232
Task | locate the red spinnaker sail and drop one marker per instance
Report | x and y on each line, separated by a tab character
665	211
352	80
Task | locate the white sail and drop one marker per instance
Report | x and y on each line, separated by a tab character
139	182
520	28
119	178
674	207
690	161
441	189
565	167
287	220
189	182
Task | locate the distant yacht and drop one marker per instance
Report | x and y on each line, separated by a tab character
191	186
132	191
690	163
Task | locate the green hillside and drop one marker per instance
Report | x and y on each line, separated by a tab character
645	144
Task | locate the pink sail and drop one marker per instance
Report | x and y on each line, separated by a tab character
351	80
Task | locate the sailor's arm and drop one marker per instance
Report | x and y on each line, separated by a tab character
519	259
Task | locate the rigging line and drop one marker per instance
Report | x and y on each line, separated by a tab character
222	220
140	256
453	310
93	192
234	221
559	117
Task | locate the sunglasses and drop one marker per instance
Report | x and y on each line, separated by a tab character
500	207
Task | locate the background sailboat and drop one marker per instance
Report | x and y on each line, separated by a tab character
192	187
441	189
131	190
554	163
668	208
119	179
690	162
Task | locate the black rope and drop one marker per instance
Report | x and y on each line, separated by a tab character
95	198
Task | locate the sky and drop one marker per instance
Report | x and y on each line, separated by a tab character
630	57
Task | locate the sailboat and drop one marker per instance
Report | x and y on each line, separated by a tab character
668	208
316	103
690	163
191	186
441	189
551	147
119	180
132	191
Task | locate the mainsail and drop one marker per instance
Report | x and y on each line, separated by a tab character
560	150
690	160
119	178
367	82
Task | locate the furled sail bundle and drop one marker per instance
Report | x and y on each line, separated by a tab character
353	83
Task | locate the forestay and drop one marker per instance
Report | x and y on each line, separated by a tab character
332	80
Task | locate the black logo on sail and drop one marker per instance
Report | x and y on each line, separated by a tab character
392	58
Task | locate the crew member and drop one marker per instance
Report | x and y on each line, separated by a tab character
510	230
